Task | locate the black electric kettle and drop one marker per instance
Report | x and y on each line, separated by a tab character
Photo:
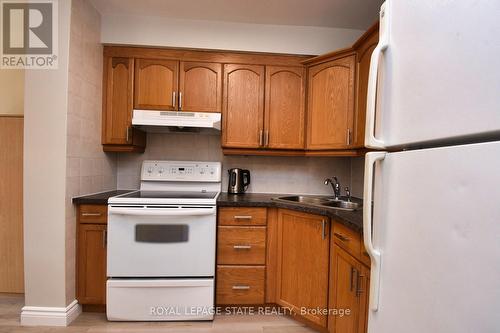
239	179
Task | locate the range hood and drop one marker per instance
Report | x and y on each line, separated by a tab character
173	121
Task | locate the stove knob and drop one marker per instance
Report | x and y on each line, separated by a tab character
150	170
161	171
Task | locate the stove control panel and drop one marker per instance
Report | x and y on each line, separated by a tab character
181	171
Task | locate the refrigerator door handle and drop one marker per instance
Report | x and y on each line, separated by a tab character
370	160
371	97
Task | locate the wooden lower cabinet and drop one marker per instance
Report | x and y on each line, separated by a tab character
241	256
302	265
240	284
91	274
91	255
349	281
241	245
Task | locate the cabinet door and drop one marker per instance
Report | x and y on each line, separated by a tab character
200	87
156	84
91	261
243	106
343	294
331	104
363	56
285	107
118	80
303	254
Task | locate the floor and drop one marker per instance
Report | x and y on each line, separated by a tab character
11	304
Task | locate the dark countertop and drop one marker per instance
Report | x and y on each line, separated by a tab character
98	198
353	220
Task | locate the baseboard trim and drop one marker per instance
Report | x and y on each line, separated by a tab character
50	316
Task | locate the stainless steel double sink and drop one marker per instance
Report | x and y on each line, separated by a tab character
321	201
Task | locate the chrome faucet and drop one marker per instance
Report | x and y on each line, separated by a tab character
335	185
347	193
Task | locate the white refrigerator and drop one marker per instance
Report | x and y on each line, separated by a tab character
432	191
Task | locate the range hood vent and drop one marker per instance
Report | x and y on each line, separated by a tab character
172	121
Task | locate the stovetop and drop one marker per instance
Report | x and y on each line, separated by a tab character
180	195
175	183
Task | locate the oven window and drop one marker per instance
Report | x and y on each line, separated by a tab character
154	233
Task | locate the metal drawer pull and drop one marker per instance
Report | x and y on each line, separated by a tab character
173	99
243	217
323	229
351	283
242	247
91	214
241	287
359	291
180	101
261	138
341	237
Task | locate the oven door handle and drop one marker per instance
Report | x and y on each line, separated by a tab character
162	211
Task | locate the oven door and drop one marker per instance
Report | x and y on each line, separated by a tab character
161	241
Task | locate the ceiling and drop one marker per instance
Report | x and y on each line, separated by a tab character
350	14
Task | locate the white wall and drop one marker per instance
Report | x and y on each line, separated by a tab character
11	91
157	31
45	105
268	174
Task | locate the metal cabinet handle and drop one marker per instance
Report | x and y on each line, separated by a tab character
242	247
261	138
341	237
242	217
348	139
266	139
351	283
173	99
359	278
91	214
180	100
241	287
128	135
323	229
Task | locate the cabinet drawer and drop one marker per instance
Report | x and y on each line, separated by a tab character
241	245
348	239
93	214
240	285
242	216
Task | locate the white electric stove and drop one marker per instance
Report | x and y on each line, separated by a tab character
161	244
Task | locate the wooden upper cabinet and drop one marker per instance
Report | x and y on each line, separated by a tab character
302	267
331	104
117	117
200	87
243	106
284	107
156	83
117	131
364	49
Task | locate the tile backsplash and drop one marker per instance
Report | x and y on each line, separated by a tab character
268	174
